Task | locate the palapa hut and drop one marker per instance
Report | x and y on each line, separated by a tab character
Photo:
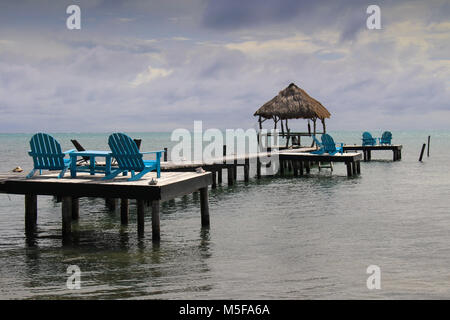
292	103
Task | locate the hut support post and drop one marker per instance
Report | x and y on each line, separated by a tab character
323	125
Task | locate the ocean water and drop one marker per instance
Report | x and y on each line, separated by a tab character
309	237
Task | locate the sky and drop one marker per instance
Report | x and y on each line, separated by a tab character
160	65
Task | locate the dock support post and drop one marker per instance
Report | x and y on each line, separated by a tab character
140	217
219	176
230	175
365	155
111	203
75	208
308	166
282	167
213	177
258	167
369	155
204	206
358	167
156	233
30	213
235	166
349	169
301	168
165	154
247	170
428	146
66	211
354	170
124	209
295	167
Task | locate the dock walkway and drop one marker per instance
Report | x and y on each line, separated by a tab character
367	150
169	186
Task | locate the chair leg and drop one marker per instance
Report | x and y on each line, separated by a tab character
31	174
113	174
63	171
140	175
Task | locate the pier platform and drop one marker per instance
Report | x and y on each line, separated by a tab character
300	161
367	150
169	186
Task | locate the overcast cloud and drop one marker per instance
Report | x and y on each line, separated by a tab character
159	65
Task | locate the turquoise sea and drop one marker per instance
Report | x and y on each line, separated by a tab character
309	237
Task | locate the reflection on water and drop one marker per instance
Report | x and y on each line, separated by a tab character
278	237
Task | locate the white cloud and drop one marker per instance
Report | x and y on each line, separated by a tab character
149	75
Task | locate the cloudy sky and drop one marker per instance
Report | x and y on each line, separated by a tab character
159	65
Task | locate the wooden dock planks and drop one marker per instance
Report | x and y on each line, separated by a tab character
169	186
367	150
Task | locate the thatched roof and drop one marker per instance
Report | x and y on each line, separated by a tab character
293	103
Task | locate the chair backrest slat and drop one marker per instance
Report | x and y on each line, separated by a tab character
386	137
126	152
368	139
328	143
46	152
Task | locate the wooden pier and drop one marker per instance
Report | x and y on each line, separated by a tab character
169	186
230	163
177	179
367	150
301	161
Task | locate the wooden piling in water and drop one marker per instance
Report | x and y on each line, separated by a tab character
111	203
258	167
124	211
247	170
165	154
230	175
204	207
295	167
66	213
428	146
219	176
75	208
156	233
140	217
30	213
422	151
308	166
213	177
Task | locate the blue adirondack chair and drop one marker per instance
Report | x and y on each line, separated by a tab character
317	142
329	146
128	157
386	137
47	155
368	140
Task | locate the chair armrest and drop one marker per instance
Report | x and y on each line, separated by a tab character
149	152
69	151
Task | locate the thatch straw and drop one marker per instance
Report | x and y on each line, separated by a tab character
293	103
